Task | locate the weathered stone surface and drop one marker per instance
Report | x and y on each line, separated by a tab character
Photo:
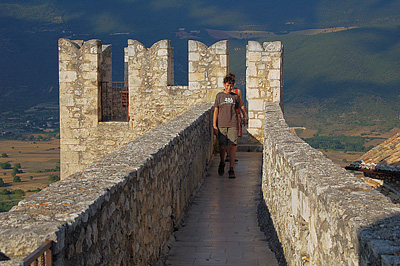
85	68
323	214
122	209
264	81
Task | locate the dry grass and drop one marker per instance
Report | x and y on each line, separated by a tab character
32	157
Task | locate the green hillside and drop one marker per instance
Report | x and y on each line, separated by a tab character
342	80
333	81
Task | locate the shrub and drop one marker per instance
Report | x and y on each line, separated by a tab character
17	165
1	182
54	178
4	155
16	179
19	192
16	171
5	192
5	165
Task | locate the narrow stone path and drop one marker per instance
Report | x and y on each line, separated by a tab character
221	225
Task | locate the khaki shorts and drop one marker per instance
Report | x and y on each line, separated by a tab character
227	136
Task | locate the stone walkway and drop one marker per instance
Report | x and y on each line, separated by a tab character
221	226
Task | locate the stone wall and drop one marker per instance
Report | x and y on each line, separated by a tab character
208	67
264	82
83	67
322	214
86	66
122	209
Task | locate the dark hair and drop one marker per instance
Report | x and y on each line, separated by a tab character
232	75
229	79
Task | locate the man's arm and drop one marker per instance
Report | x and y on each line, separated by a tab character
215	120
242	109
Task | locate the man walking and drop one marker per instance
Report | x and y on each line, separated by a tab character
225	123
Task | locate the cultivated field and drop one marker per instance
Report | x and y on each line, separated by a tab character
33	157
37	156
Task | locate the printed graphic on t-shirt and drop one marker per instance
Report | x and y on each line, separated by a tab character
228	101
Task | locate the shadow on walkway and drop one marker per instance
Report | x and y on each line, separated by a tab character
221	226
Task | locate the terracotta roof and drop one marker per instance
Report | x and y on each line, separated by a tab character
383	158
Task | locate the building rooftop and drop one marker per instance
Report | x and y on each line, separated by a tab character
384	158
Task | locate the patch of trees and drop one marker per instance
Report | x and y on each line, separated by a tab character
16	171
41	137
10	198
5	165
54	178
339	143
57	169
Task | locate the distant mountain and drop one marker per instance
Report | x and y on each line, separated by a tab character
329	77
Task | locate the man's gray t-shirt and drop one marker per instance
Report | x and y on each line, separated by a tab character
227	104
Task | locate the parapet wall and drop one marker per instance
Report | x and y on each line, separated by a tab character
322	214
122	209
84	68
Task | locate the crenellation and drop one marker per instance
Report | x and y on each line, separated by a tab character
264	73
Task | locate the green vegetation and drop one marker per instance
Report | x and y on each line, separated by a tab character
339	143
25	137
16	171
4	155
54	178
57	169
16	179
5	165
10	198
343	80
1	182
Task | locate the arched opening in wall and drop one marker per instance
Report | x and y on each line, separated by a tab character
237	65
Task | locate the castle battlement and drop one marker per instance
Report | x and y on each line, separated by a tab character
97	117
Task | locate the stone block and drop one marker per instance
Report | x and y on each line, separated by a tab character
162	52
192	46
272	46
253	93
276	62
67	76
256	104
194	56
91	76
255	123
66	100
223	61
254	46
252	82
193	77
274	74
253	56
251	69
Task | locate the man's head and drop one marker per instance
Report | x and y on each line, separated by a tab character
229	79
229	84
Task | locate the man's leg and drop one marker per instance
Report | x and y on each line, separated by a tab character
222	152
222	139
232	148
232	140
